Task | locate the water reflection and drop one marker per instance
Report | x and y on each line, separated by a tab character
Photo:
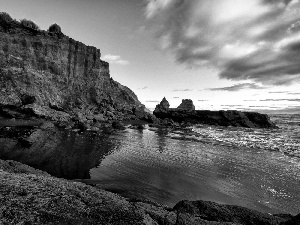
61	153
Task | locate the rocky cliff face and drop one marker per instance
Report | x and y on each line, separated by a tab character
48	74
186	113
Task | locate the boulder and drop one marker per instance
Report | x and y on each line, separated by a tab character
118	125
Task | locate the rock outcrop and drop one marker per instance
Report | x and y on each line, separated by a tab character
47	74
163	106
186	105
31	196
186	113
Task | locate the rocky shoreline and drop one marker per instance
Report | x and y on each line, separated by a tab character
31	196
49	81
186	113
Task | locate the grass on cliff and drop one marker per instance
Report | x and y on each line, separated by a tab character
5	17
29	24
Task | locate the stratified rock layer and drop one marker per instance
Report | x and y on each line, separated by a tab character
184	113
51	75
30	196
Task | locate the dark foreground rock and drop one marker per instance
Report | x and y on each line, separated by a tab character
30	196
185	113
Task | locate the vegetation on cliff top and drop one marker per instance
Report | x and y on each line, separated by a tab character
6	18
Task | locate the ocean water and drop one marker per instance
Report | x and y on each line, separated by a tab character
255	168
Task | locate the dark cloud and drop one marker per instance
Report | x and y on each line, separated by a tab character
175	97
182	90
238	87
250	100
293	93
256	40
203	100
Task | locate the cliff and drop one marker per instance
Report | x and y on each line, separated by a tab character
186	113
47	74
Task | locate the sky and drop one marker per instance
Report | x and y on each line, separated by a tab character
222	54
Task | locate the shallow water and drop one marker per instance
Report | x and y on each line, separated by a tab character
152	165
169	166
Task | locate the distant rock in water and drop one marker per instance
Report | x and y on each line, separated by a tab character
47	74
186	105
163	106
186	112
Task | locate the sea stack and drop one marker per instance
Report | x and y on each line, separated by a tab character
163	106
186	112
186	105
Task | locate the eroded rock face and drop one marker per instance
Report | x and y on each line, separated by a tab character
54	76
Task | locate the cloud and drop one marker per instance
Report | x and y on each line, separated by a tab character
256	40
152	101
143	88
203	100
238	87
278	92
232	105
175	97
116	59
182	90
276	100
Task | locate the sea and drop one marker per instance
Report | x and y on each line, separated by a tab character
255	168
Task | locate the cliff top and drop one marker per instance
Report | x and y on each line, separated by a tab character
28	27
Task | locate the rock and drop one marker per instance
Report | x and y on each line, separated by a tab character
77	80
47	125
163	106
99	117
186	105
90	117
185	114
108	113
95	129
118	125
